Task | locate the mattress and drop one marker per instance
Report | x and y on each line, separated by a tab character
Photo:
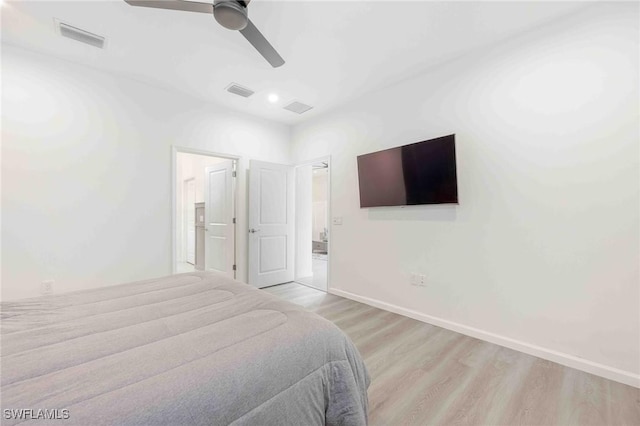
187	349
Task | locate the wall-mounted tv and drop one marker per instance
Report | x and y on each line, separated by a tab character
419	173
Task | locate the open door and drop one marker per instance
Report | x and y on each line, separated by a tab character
219	218
271	224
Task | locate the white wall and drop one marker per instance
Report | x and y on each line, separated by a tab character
86	171
542	253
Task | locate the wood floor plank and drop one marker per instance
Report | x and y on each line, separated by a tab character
445	388
426	375
541	388
410	397
374	322
410	346
471	401
512	369
587	396
624	405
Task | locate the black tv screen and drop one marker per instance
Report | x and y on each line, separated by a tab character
419	173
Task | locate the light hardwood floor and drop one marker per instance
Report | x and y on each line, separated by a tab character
423	374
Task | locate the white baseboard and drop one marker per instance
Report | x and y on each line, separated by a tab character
602	370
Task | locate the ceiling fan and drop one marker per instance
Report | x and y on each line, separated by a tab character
231	14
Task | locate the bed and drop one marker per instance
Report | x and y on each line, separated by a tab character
187	349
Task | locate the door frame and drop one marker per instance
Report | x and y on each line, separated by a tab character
325	159
175	149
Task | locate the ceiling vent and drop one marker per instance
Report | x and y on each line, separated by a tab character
236	89
81	35
297	107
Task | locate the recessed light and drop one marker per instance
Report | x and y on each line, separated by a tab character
273	98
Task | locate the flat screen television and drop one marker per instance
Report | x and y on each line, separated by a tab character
419	173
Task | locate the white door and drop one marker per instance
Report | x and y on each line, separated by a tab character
271	224
219	211
190	219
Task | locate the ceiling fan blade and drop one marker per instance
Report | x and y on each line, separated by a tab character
187	6
257	40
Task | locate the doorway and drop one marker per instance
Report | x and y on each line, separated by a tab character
312	224
204	212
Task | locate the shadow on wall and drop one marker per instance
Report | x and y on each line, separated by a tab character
431	213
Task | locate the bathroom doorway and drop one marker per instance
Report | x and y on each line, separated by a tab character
312	224
204	213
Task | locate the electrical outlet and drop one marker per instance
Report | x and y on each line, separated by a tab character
418	280
46	287
422	280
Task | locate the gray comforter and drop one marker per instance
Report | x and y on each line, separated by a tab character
189	349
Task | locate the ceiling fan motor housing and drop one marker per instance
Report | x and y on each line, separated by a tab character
231	14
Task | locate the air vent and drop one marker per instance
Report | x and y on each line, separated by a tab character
297	107
81	35
236	89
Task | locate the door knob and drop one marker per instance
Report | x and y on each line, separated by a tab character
253	231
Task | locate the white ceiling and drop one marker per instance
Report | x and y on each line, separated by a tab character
334	51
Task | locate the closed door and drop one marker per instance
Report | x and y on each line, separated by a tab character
190	223
219	213
271	224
